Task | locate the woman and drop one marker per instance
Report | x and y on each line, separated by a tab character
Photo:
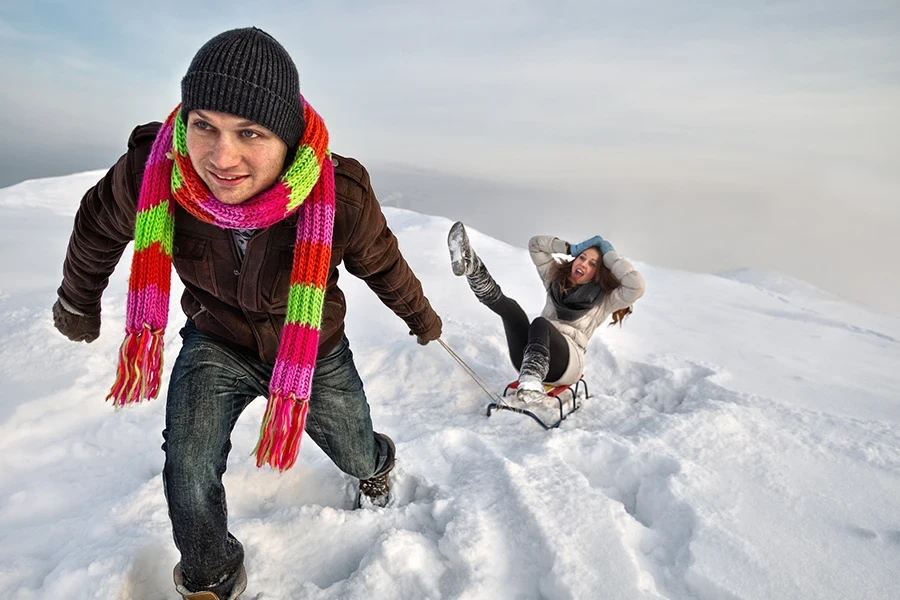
581	295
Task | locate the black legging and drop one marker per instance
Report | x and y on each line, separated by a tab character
519	333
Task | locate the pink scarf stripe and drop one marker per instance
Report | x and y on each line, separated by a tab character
155	186
296	360
321	235
147	302
320	229
159	193
257	213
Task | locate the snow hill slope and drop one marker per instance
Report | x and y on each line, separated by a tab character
742	441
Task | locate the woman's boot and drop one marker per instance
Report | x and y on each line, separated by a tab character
535	365
465	262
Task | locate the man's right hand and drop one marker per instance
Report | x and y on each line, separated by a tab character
78	328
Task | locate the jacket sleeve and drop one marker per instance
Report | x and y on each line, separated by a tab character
104	224
542	248
373	255
633	285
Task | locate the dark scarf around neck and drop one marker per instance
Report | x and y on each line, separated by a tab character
575	303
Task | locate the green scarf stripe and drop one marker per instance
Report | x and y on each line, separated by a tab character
154	225
305	305
302	176
177	179
179	135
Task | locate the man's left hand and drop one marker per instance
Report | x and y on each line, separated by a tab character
433	332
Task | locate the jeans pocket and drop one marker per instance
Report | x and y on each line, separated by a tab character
188	329
336	372
342	347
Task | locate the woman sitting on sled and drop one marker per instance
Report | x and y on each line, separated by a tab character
581	295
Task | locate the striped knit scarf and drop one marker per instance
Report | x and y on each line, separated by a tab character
307	187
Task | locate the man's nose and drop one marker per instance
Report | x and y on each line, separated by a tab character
225	154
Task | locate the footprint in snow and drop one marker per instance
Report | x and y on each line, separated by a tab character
662	389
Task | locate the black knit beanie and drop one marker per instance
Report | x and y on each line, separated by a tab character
247	73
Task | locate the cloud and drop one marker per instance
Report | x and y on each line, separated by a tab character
79	64
702	135
10	33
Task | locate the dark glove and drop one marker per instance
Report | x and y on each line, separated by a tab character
78	328
431	334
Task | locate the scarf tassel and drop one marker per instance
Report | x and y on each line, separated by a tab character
140	367
281	431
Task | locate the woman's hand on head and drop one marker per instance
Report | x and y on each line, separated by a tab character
597	241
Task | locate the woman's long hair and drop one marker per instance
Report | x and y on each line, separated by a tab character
561	275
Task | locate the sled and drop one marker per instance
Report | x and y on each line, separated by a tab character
558	393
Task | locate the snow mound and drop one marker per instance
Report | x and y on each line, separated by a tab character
60	195
740	441
779	283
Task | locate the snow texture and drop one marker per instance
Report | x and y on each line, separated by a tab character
742	441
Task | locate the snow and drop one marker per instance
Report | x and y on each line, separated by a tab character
742	440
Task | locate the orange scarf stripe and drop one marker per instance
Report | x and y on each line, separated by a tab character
311	263
148	266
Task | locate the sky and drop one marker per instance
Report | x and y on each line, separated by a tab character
704	136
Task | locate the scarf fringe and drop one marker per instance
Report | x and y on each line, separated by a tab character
140	367
281	431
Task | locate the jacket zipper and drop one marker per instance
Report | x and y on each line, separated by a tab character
239	260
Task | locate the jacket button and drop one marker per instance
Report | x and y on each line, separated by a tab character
334	161
174	250
237	272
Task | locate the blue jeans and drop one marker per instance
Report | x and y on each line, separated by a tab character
211	385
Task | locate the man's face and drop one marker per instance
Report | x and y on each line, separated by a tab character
236	158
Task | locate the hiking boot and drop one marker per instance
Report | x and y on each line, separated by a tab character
230	589
464	261
377	488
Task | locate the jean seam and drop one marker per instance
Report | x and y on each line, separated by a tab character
311	420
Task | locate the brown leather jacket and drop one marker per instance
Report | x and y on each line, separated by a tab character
243	302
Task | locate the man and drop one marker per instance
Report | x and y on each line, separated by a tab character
238	191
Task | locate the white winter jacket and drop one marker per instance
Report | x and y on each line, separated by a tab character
578	332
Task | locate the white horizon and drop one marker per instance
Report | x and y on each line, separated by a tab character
701	136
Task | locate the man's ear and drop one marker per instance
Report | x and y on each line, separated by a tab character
288	160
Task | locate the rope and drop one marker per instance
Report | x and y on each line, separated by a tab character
471	372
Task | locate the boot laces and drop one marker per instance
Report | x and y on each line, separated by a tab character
375	487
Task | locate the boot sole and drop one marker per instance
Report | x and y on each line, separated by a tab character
393	451
532	397
456	240
240	585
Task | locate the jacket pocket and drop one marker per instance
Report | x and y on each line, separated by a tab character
192	259
333	313
275	280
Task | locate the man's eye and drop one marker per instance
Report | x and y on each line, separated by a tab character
249	134
203	125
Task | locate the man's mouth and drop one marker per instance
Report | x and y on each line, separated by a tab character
228	180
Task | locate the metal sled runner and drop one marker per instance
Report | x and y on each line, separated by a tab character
555	393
